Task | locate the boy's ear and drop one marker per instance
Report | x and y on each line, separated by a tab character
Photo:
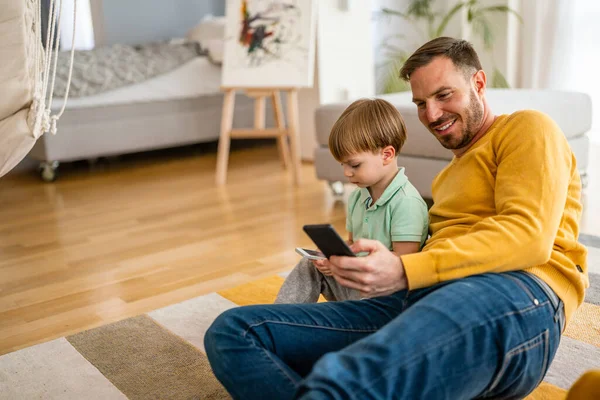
388	154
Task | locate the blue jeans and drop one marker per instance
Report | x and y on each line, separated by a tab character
485	336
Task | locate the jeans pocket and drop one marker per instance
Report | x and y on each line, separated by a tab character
524	287
523	368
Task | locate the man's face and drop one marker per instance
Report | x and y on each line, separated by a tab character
448	102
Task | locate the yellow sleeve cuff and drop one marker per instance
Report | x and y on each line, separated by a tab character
420	270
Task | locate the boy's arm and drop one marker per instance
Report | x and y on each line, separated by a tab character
409	220
401	248
354	196
409	223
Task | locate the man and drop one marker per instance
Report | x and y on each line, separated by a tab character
479	312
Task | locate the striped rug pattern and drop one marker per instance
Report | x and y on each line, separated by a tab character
161	354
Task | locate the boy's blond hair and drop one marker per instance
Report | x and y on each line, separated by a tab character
367	125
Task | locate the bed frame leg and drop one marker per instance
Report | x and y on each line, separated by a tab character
49	170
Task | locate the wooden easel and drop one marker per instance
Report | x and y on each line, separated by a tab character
283	134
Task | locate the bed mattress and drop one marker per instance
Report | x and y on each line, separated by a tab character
180	107
197	77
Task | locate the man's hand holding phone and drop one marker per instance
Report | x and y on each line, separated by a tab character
379	273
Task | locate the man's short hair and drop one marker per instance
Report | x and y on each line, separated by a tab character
367	125
461	52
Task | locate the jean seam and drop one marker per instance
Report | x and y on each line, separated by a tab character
532	343
266	353
524	287
453	338
546	356
310	326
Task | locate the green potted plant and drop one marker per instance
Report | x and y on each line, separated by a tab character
431	24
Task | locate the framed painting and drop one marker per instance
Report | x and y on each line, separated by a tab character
269	43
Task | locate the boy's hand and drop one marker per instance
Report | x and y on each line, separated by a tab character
323	266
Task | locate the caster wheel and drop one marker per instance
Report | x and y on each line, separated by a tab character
48	171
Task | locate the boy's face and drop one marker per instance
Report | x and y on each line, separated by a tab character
366	168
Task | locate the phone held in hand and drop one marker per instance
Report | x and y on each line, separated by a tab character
328	240
310	254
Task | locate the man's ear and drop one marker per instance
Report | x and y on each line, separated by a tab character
388	155
480	81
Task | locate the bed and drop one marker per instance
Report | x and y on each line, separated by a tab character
179	107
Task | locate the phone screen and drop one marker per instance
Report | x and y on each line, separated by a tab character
314	253
310	254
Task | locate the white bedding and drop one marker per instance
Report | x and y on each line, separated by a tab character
194	78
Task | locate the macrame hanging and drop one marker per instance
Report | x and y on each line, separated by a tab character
27	76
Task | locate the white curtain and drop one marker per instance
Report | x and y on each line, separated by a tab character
545	51
583	75
84	36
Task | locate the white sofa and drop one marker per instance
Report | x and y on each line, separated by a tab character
424	157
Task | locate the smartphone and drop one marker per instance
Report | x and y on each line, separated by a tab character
310	254
328	240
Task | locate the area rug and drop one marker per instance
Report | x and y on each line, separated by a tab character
160	355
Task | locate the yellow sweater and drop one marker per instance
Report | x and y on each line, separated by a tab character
511	202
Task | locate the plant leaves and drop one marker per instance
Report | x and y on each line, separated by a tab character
498	80
504	9
424	20
390	12
442	26
420	8
482	27
392	81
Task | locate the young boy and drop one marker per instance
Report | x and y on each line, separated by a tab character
366	140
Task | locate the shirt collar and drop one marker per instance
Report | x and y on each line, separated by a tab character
396	184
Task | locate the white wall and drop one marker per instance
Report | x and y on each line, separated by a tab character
144	21
344	63
390	30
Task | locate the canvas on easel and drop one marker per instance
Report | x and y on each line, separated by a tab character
269	48
269	43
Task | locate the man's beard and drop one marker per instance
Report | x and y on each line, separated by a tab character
474	116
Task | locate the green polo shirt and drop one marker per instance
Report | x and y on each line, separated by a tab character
399	215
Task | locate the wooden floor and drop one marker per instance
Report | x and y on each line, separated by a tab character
123	238
102	245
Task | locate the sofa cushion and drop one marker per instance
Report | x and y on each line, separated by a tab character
571	111
420	171
419	142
